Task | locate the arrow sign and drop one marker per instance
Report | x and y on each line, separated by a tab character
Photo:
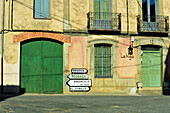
79	71
79	88
79	82
78	76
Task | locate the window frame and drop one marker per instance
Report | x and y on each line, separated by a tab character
46	18
104	75
148	11
101	9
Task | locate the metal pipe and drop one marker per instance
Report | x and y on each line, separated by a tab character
2	40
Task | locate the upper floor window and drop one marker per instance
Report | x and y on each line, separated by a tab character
102	15
41	8
103	61
101	9
149	8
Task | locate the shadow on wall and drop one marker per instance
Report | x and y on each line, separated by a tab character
10	91
166	85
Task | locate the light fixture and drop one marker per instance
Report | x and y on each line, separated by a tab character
130	49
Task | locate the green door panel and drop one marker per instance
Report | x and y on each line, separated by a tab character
52	75
42	67
151	69
31	67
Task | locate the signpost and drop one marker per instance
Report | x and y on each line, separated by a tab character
79	83
79	80
79	88
78	76
79	71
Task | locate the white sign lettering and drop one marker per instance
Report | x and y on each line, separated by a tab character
79	82
78	76
79	88
79	71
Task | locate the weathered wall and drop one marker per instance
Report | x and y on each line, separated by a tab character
78	14
166	9
133	13
78	56
77	53
121	8
0	15
126	63
10	64
11	49
23	19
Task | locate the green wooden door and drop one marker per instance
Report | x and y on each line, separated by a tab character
151	69
42	67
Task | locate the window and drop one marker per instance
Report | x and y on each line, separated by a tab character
103	61
102	15
41	8
102	9
149	10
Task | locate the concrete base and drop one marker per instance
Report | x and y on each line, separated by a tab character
149	92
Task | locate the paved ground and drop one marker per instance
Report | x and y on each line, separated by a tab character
29	103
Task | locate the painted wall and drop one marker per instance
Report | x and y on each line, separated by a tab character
80	52
78	14
24	20
126	63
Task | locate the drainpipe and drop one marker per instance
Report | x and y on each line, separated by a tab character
2	39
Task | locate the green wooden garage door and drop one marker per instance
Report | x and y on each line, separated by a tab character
42	67
151	68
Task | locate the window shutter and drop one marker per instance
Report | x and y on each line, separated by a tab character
106	7
98	61
37	8
46	8
96	9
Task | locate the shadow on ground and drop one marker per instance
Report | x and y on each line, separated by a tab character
10	91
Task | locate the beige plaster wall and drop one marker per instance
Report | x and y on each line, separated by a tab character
11	74
78	14
23	19
0	16
166	9
121	8
78	9
11	49
6	14
133	13
10	64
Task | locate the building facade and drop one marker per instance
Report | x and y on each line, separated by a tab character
120	42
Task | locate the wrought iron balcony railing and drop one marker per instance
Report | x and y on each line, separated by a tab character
156	23
104	21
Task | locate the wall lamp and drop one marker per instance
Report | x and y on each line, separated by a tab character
130	49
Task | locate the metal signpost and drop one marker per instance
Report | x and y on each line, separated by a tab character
78	76
79	83
79	71
79	88
79	80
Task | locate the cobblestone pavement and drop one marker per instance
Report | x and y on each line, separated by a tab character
40	103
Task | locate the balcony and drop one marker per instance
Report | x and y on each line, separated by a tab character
153	24
104	21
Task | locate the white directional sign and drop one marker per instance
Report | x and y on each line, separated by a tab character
79	83
79	71
79	88
78	76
